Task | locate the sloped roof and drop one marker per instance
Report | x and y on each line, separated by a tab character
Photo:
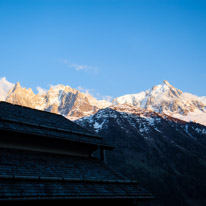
23	119
28	174
29	163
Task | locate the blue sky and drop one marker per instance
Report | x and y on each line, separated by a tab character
108	47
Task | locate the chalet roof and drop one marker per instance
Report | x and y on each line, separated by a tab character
28	174
27	120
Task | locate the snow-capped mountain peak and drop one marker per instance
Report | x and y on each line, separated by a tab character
166	99
165	88
157	93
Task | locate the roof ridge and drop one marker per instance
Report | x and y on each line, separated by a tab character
44	178
29	108
50	127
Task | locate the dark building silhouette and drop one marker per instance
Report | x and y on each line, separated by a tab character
45	157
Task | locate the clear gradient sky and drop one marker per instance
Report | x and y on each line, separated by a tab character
108	47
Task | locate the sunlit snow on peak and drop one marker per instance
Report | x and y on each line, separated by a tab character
5	86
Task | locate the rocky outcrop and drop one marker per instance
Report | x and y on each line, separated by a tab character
59	99
24	97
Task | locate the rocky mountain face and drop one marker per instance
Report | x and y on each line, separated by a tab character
167	155
24	97
166	99
58	99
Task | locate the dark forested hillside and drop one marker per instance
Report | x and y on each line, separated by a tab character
167	156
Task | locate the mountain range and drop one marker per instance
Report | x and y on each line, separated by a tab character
159	134
73	104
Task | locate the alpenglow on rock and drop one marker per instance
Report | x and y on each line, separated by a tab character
58	99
